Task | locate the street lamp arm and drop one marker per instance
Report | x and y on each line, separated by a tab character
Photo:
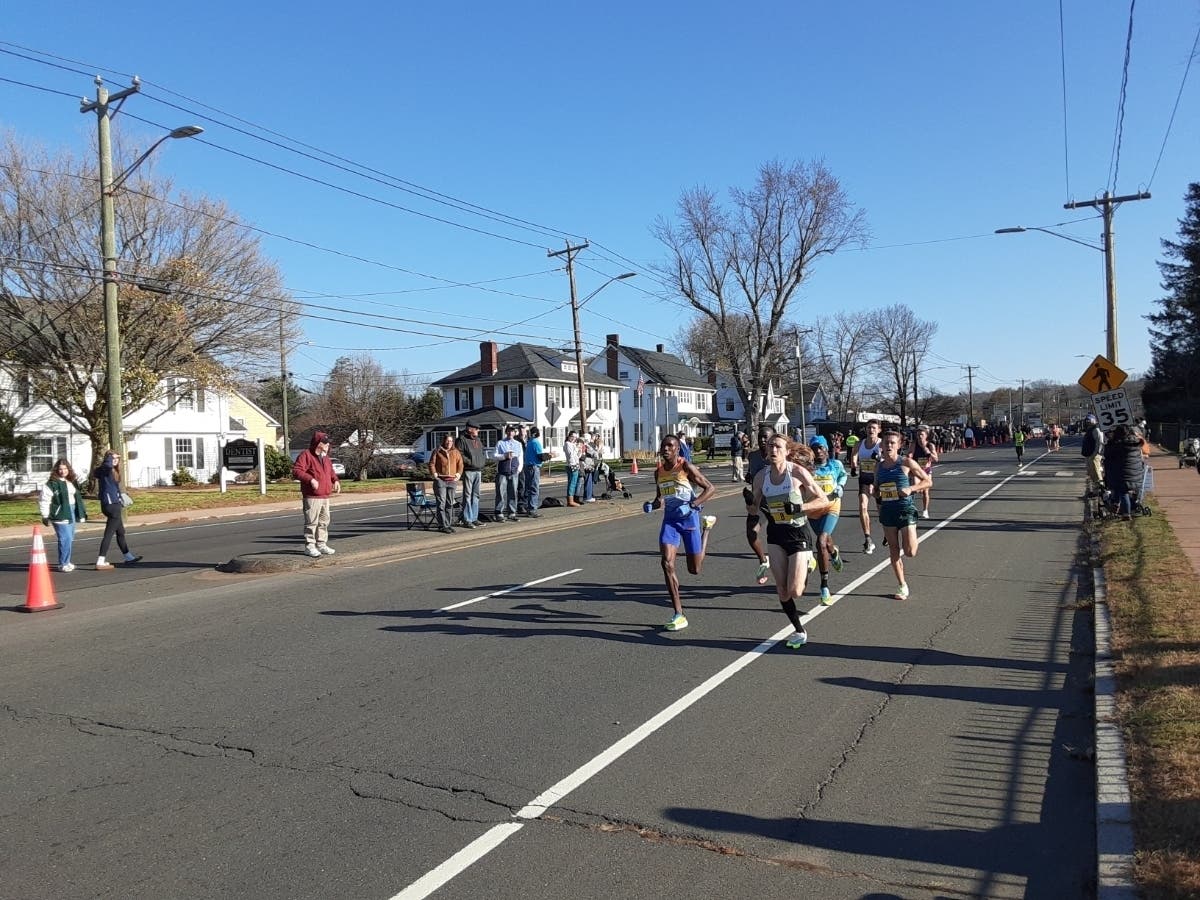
1022	228
606	284
185	131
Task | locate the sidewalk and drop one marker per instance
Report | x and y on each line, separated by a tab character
1178	494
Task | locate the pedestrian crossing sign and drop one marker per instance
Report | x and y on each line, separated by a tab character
1101	375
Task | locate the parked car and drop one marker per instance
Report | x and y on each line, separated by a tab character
339	469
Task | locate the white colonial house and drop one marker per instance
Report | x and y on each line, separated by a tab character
525	384
660	395
183	429
728	406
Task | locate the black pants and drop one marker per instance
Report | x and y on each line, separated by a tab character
114	525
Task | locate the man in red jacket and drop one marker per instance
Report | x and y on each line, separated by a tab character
314	471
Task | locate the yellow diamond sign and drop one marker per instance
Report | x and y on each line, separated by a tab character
1102	375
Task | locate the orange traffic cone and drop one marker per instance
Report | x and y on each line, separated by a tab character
633	467
39	595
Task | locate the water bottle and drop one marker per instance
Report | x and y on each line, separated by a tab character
647	507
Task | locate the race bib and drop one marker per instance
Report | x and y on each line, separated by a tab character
669	488
777	511
888	491
868	465
825	482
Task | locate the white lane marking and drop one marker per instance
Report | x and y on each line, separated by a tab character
498	834
950	472
990	472
515	587
1064	474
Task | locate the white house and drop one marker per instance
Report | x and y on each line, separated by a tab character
660	395
183	429
728	406
525	384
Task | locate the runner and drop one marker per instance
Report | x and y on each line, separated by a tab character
1019	443
787	493
755	463
896	480
852	440
830	476
926	456
866	458
681	490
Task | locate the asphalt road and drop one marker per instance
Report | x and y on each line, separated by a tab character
341	732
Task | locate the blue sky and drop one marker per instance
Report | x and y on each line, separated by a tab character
943	120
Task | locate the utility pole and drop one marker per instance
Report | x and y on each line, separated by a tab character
283	385
570	252
108	250
1107	205
916	419
971	395
800	379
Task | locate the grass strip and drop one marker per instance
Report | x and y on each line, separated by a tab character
1155	601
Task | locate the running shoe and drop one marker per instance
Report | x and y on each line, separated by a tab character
924	514
797	640
707	522
868	546
763	573
836	559
826	597
678	622
902	592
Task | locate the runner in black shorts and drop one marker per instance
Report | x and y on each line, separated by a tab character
866	458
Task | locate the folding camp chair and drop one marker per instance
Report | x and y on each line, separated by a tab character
422	508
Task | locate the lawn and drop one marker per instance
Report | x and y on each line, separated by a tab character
22	510
1153	594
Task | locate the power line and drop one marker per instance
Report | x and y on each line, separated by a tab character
1175	108
1114	166
1062	53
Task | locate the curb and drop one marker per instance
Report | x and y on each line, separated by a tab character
1114	815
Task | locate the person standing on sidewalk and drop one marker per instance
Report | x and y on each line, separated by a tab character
314	471
474	458
447	468
531	474
508	470
1093	450
112	504
736	460
61	504
571	456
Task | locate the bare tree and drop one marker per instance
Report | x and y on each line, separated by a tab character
845	345
198	298
902	340
741	266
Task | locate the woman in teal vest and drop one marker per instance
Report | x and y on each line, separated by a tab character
61	504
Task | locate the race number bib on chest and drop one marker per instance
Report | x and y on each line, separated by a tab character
868	465
888	491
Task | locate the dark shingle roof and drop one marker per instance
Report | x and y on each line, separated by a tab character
665	368
526	362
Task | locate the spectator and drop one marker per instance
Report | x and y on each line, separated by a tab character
685	448
571	455
1093	450
508	455
737	460
447	469
474	458
531	473
589	458
112	504
314	471
61	503
1123	469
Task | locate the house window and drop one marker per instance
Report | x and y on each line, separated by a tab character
556	393
44	452
553	439
514	396
637	432
729	405
637	400
464	398
25	392
183	453
181	394
604	399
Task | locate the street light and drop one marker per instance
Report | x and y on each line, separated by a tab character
578	343
102	106
796	332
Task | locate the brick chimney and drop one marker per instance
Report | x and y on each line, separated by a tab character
712	378
612	346
488	364
658	348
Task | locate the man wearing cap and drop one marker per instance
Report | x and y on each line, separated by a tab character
1093	449
314	471
474	458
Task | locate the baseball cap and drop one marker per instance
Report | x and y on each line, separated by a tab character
1091	418
818	441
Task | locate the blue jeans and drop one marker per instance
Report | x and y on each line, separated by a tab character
66	537
589	481
572	482
506	496
531	488
470	496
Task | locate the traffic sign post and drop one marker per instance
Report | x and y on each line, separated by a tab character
1112	409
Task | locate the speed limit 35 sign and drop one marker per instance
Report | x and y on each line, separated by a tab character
1112	409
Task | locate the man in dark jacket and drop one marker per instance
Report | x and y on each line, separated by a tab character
474	458
314	471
